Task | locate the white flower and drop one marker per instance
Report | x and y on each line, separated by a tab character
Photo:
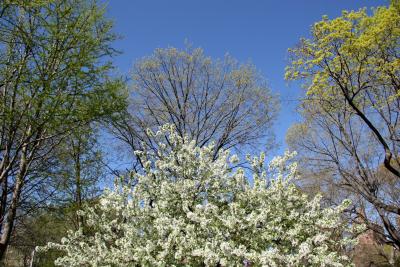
188	209
234	159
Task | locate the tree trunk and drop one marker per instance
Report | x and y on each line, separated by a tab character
7	224
78	193
3	200
32	259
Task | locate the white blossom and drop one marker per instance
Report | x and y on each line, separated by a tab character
188	209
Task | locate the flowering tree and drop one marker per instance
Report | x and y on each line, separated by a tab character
187	209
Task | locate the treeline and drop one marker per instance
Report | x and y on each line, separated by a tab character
60	92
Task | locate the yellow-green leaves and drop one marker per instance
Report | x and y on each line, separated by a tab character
350	69
354	51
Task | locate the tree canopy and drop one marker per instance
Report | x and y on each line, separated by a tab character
209	100
54	77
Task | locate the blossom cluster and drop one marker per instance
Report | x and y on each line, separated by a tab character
189	209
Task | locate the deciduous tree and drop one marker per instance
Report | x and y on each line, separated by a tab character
53	77
208	100
351	72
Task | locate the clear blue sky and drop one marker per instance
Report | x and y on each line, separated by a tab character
257	30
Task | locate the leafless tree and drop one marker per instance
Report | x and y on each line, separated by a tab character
344	158
220	101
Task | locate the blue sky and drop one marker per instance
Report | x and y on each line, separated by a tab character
260	31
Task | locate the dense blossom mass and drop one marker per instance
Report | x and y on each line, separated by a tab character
188	209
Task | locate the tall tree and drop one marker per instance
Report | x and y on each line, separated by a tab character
351	72
206	100
74	181
79	170
53	78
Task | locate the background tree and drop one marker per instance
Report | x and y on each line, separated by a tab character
53	78
351	72
72	181
207	100
80	169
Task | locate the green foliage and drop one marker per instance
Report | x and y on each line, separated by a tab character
56	77
52	56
